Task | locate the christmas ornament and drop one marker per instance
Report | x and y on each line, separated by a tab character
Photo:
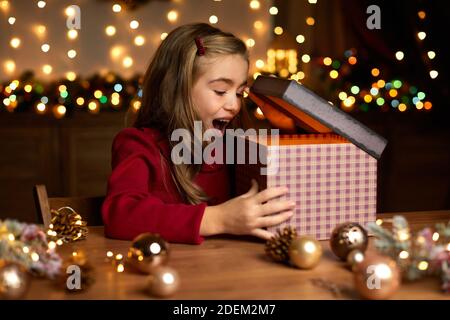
14	280
148	251
305	252
277	247
354	257
67	225
75	95
26	244
163	281
347	237
377	277
425	252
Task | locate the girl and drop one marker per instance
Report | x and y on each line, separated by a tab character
198	73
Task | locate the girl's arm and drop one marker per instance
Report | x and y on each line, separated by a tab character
249	213
130	208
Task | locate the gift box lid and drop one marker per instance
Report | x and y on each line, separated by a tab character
278	97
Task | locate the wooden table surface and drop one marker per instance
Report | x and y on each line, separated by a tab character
229	268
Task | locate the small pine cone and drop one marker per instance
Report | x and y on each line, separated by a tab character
277	247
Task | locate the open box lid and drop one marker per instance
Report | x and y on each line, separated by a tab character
312	113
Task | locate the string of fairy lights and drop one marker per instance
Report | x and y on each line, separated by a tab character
103	91
284	61
379	93
109	91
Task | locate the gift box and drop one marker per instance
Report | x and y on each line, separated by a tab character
331	171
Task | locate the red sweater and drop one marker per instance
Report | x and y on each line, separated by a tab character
139	201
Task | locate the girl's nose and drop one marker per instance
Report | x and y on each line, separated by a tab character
233	105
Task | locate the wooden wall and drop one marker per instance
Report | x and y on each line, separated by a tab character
72	157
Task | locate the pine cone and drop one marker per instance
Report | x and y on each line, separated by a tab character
66	224
277	247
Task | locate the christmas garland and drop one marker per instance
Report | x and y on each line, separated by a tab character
63	97
26	244
426	252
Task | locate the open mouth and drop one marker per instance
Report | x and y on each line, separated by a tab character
220	124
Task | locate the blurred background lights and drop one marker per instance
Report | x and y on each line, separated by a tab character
172	16
399	55
258	25
47	69
70	11
213	19
72	34
278	30
15	42
254	4
127	62
306	58
421	35
273	11
110	31
139	40
250	43
45	47
310	21
116	8
300	38
134	24
434	74
71	54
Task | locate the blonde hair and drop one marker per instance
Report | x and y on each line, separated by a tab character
166	100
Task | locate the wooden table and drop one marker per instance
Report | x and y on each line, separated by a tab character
228	268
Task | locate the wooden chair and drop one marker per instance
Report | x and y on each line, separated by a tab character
89	208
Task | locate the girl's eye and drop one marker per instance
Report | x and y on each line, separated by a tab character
220	93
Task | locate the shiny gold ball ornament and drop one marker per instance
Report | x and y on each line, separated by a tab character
163	282
355	257
377	277
305	252
148	251
14	280
347	237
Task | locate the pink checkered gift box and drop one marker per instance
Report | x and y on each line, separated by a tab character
331	177
331	180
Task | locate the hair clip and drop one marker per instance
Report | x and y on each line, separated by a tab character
200	47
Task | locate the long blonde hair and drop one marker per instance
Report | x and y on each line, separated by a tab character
166	100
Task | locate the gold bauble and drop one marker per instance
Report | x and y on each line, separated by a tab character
147	252
163	282
347	237
377	277
14	280
305	252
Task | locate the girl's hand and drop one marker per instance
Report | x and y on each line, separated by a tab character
248	213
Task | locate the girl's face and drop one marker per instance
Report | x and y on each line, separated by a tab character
217	92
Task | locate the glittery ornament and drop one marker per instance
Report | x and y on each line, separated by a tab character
347	237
